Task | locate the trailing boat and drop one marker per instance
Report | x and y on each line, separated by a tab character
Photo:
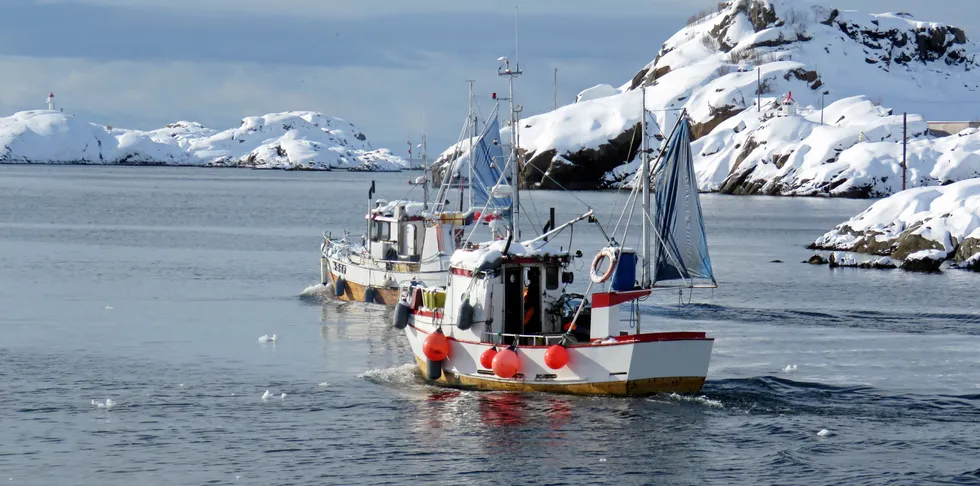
408	242
505	321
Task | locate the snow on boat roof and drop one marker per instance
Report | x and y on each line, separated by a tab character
411	209
489	252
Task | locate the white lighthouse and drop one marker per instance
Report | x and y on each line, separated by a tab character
51	101
789	105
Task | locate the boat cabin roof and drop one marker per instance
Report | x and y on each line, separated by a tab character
491	254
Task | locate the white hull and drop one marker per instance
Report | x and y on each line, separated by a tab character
385	284
632	365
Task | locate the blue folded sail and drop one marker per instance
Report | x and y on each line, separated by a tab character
488	160
680	255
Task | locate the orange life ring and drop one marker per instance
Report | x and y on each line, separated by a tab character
606	253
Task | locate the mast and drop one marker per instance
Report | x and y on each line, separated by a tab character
472	122
505	70
645	278
425	176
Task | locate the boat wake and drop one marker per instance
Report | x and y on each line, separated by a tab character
316	293
701	400
910	322
766	395
402	376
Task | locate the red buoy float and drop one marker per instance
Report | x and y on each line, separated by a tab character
486	359
556	357
506	363
436	346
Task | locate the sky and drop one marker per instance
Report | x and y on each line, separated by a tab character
394	68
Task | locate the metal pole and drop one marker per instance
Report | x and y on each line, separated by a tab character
556	88
472	124
821	107
645	174
514	223
425	176
905	142
758	90
517	165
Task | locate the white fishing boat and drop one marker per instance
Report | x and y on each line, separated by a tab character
505	321
411	242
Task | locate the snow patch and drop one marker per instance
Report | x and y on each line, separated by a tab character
288	140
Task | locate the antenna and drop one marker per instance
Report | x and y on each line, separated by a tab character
517	49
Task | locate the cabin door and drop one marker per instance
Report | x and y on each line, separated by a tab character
513	300
411	242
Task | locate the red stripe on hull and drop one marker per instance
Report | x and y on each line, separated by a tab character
426	313
609	299
461	272
628	339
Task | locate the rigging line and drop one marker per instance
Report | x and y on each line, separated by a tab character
559	185
536	214
630	204
666	249
528	218
612	207
443	192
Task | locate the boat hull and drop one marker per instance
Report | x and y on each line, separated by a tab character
358	279
631	366
647	386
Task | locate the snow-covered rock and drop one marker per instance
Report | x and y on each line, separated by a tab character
972	263
944	218
596	92
924	261
290	140
854	64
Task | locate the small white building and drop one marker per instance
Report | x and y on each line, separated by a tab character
51	101
789	105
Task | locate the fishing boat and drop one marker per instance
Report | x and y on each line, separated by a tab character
408	241
505	320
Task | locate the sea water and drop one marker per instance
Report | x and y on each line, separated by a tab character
132	300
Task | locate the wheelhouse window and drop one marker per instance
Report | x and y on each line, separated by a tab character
551	275
381	231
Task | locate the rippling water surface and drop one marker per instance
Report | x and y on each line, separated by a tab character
151	286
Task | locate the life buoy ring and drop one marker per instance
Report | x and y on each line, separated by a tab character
606	253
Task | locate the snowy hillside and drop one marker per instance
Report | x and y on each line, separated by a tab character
945	218
867	69
290	140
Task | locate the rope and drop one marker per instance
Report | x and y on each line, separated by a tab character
544	174
612	207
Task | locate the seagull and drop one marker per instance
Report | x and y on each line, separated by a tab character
789	368
266	395
282	397
825	433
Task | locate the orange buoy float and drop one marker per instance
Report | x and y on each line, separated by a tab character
506	363
436	346
556	357
486	359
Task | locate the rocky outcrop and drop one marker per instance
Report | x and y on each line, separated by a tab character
730	70
924	261
817	260
916	224
296	140
583	169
